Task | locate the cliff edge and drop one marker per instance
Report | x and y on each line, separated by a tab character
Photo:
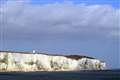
24	61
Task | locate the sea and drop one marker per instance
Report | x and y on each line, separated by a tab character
63	75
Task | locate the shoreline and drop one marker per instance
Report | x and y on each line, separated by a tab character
63	75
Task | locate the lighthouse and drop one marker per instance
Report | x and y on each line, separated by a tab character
33	51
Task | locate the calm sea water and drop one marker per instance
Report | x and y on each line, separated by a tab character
71	75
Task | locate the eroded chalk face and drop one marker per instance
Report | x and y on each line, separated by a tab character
43	62
90	64
103	65
63	63
37	62
3	61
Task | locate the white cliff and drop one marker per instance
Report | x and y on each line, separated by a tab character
17	61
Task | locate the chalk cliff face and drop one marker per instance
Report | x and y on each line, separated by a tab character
16	61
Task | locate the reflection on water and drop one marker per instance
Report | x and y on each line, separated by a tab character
71	75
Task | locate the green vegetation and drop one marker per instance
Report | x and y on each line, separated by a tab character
5	59
29	63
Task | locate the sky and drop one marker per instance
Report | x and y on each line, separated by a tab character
83	27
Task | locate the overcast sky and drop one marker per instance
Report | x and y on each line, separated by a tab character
83	27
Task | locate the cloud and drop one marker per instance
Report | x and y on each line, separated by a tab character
21	20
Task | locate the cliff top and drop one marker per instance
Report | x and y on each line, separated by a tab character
68	56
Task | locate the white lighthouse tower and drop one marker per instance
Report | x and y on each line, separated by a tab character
33	51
